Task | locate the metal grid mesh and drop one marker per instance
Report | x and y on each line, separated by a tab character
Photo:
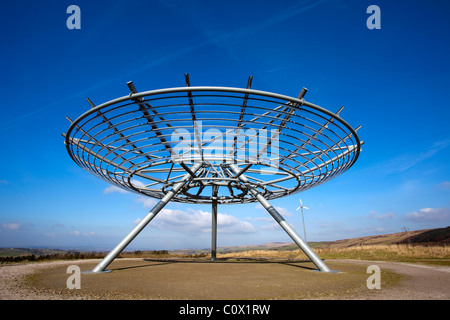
146	142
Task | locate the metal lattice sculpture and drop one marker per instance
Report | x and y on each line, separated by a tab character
212	145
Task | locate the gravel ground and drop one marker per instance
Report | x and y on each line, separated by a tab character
13	278
420	282
226	279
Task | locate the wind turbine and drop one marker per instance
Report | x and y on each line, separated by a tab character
303	217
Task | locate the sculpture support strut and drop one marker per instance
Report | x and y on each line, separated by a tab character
279	218
143	223
214	224
145	137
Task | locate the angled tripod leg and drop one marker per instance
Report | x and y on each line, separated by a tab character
143	223
214	224
279	218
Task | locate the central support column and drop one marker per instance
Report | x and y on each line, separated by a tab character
279	218
215	189
143	223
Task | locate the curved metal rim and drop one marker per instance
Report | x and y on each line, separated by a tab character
297	103
132	96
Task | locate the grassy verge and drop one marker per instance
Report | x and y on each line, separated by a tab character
396	252
401	252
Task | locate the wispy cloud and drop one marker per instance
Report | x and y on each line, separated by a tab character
271	223
373	215
404	162
430	215
172	54
12	226
81	234
283	211
113	189
230	40
445	185
271	226
330	225
147	202
268	22
29	113
199	221
425	154
265	219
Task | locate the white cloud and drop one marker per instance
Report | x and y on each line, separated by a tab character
430	215
230	224
199	221
137	183
12	225
445	185
375	215
50	234
265	219
271	226
381	230
78	233
147	202
112	189
283	211
330	225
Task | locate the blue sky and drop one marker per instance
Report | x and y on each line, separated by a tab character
393	81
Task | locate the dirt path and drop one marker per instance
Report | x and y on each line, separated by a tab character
420	282
228	280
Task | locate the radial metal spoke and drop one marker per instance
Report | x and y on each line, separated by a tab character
312	144
143	106
130	142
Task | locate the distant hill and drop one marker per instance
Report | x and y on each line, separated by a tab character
383	239
15	252
438	236
424	237
433	236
